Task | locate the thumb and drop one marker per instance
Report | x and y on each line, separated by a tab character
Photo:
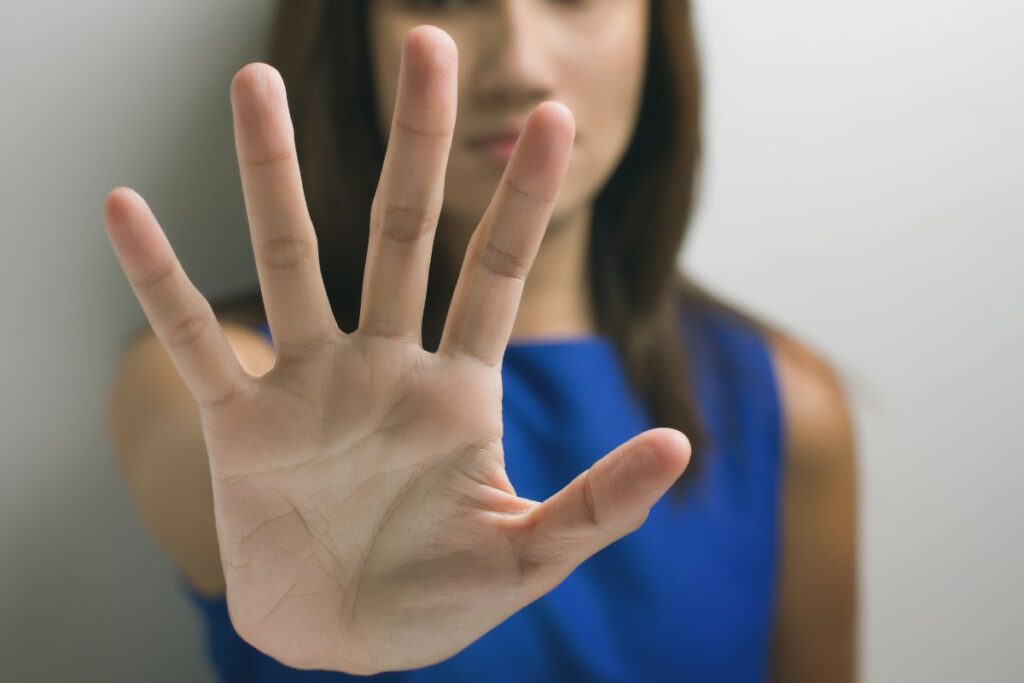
605	502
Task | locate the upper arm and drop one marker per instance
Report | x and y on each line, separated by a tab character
153	421
816	618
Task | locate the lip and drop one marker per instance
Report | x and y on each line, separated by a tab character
499	145
509	129
496	147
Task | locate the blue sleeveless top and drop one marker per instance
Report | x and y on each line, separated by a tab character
689	596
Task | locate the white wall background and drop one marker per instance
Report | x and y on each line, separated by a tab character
864	187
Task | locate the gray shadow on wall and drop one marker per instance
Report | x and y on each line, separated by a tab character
88	595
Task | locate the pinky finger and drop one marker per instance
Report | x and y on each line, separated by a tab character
179	314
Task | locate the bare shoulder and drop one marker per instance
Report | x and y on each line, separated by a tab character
818	423
155	427
816	619
146	383
147	356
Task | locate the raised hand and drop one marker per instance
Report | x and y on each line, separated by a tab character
364	515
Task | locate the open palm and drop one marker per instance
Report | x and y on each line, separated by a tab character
364	515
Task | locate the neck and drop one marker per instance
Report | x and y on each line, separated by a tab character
556	295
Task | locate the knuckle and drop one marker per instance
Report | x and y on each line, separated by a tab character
187	330
403	223
287	251
425	128
269	156
589	502
503	262
156	277
528	195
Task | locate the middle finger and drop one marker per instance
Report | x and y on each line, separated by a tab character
408	200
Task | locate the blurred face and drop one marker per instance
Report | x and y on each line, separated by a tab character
514	54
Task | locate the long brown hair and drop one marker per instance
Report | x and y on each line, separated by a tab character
640	217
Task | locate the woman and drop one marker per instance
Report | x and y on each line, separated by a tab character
408	479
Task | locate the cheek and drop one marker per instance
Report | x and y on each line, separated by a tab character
600	79
605	92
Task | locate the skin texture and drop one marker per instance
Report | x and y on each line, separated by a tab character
590	56
364	518
325	503
815	634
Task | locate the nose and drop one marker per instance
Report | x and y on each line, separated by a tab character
517	68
